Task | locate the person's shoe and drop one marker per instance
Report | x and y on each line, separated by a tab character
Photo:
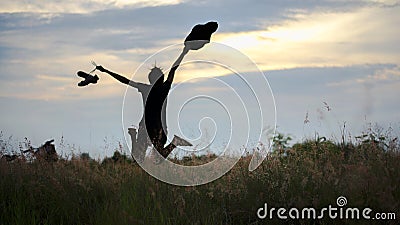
88	79
178	141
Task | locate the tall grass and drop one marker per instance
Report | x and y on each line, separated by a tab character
117	191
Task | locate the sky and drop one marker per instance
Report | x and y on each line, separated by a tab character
325	62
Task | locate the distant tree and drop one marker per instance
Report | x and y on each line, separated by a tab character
85	156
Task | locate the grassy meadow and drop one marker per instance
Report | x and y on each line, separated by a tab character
313	173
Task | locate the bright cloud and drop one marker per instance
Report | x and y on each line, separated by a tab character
367	35
76	6
308	39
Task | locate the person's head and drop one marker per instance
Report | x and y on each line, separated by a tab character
156	75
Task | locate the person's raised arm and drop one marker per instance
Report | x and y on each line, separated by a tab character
118	77
176	64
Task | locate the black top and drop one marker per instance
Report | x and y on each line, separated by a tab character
154	99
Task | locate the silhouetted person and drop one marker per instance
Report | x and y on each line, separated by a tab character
152	126
154	97
200	35
88	79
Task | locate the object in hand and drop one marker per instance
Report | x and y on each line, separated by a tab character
200	35
88	79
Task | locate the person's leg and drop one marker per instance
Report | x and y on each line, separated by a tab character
177	141
161	139
168	149
139	143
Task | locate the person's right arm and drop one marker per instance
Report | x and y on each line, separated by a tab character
118	77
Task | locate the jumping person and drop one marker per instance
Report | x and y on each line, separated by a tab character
152	126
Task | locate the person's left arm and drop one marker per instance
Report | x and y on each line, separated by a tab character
176	64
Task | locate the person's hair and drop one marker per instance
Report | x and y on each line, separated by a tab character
155	74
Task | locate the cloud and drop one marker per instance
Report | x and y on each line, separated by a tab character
77	6
365	35
381	75
304	34
386	75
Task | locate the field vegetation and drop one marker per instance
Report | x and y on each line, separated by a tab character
313	173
